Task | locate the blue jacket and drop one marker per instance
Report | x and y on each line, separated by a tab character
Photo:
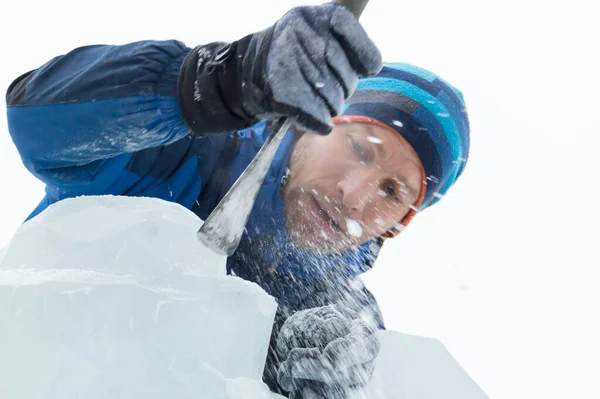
106	120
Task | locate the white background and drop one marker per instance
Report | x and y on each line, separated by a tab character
504	269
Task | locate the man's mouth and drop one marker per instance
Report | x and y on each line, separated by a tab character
326	219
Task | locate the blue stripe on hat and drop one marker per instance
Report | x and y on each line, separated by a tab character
421	73
424	79
460	118
439	139
429	86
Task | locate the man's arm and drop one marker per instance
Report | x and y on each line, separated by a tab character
86	112
83	114
98	104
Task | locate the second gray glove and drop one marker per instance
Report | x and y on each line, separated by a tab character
325	354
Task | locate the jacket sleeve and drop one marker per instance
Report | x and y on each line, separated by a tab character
78	119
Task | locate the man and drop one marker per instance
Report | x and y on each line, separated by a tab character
160	119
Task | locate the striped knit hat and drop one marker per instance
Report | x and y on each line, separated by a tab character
427	111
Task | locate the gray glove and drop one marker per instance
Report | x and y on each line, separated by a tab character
325	354
305	66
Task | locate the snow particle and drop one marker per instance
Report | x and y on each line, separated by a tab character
353	228
397	123
375	140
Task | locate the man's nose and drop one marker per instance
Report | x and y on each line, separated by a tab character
358	190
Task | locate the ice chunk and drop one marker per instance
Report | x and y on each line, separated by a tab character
416	367
102	234
114	297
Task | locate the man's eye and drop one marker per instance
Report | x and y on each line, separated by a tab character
391	191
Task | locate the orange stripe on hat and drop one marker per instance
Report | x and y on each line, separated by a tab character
347	119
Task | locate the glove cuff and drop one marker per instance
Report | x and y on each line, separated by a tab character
209	90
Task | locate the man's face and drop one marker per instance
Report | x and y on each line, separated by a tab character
349	187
